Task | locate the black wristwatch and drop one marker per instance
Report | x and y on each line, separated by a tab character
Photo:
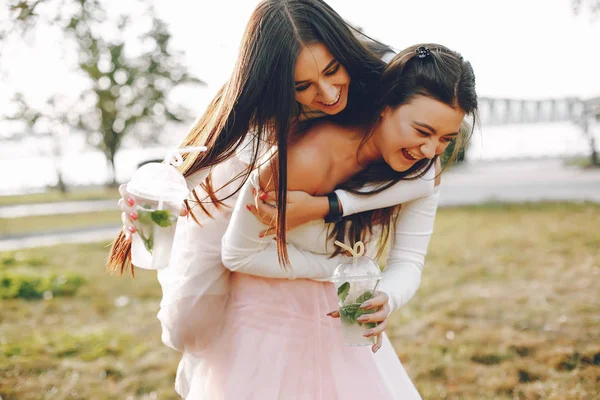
334	209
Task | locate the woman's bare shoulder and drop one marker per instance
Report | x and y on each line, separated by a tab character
310	160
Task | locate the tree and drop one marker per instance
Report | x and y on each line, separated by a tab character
126	93
591	112
55	124
592	5
591	107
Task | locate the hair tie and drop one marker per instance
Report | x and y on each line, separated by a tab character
423	52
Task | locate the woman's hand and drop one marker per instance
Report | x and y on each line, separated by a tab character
380	303
301	208
127	205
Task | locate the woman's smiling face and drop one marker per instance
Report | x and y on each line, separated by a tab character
422	128
321	81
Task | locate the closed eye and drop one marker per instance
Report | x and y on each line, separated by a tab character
333	71
302	88
422	133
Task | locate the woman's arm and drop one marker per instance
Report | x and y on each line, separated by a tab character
244	251
400	193
412	232
195	285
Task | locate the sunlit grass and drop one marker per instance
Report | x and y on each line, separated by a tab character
509	308
54	223
54	195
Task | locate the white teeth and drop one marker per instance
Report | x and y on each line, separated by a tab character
335	101
413	156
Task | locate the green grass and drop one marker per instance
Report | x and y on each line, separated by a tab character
509	308
87	345
581	161
47	223
53	196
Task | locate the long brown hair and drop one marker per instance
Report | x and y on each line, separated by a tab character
259	97
443	75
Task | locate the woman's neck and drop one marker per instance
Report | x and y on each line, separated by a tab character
368	152
351	152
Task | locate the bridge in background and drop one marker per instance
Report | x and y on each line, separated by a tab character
496	111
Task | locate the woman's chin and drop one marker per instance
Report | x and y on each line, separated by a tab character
400	165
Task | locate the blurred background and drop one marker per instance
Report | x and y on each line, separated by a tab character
90	89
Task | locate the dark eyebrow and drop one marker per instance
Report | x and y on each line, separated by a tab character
324	69
424	125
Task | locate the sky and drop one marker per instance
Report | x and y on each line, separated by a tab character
518	48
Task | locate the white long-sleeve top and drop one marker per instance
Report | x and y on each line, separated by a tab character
196	283
309	249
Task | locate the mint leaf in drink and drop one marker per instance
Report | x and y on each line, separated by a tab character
347	312
144	217
361	311
148	241
364	297
343	291
162	218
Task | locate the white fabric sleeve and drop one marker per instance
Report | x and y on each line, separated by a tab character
399	193
195	284
411	235
242	249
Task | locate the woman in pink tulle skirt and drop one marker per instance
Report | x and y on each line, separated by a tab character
248	328
277	336
277	342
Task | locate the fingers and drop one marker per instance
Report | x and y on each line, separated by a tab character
123	190
128	228
334	314
378	330
263	212
268	232
379	300
378	316
128	215
126	204
270	197
378	344
127	232
379	303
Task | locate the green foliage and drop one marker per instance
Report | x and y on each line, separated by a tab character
126	93
29	286
448	154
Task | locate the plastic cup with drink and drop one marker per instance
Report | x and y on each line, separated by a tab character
356	280
159	190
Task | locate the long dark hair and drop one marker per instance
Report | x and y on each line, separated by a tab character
441	74
259	97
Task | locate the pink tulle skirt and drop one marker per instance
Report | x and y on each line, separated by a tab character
277	342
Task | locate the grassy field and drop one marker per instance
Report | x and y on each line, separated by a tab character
53	196
54	223
509	308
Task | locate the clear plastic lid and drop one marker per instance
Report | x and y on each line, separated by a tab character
160	182
356	269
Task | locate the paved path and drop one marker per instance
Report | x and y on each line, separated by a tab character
65	207
519	181
89	235
472	183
